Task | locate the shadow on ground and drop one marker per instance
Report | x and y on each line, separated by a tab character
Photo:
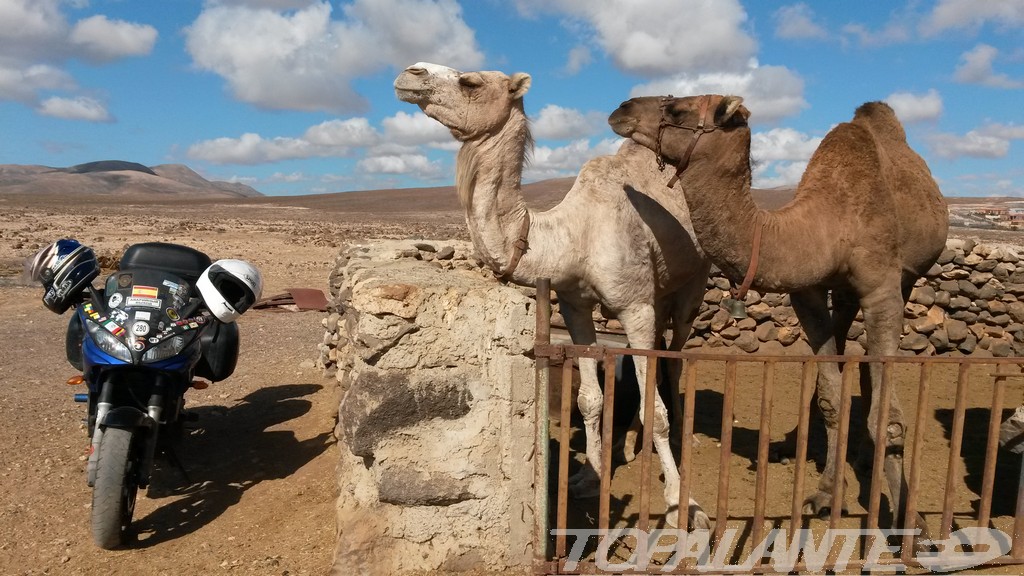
229	451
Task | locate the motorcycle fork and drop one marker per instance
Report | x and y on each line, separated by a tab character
103	406
155	409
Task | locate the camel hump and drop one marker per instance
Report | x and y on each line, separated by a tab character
881	120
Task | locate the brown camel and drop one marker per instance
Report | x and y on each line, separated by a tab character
866	222
619	238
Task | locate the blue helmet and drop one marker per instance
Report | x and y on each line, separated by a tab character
64	268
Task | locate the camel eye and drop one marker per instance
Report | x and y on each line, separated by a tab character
471	80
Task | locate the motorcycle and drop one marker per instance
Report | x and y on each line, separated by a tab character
164	318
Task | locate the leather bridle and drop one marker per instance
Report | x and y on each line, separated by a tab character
705	124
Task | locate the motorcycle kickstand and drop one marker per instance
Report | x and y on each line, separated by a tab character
172	458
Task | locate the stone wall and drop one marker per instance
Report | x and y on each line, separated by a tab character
436	422
970	302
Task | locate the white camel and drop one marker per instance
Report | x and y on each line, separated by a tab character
620	238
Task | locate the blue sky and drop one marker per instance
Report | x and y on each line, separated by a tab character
295	96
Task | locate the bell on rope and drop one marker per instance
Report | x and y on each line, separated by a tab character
736	308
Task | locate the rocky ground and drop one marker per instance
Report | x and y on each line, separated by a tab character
259	493
259	496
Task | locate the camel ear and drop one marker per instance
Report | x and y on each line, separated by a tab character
729	106
519	85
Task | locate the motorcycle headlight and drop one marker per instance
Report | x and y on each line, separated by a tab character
165	349
108	343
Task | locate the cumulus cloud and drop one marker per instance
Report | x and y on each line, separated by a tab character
412	164
769	92
989	141
975	67
305	59
782	144
37	40
971	14
97	38
417	129
80	108
910	107
547	162
333	138
656	38
557	123
780	156
796	22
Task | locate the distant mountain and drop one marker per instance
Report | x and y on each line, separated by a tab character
116	177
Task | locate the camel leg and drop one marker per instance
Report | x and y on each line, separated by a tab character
883	320
639	324
587	482
811	307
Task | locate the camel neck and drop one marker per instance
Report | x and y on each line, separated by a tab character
488	181
724	217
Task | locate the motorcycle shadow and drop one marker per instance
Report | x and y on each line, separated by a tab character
226	452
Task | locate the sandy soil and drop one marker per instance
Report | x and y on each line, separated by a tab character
260	463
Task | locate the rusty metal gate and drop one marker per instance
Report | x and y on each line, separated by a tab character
627	538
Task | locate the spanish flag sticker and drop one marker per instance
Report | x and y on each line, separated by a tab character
139	291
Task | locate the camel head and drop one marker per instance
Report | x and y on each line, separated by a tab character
470	104
671	126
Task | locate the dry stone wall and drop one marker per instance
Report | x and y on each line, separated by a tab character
970	302
436	421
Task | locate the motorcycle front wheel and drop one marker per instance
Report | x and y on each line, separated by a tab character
113	494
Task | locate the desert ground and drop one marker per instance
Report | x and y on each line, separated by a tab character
259	493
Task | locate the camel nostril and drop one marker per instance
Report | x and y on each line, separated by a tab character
416	70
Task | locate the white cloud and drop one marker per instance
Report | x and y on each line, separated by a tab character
557	123
894	32
579	58
415	129
253	149
354	132
36	39
305	60
776	174
414	164
655	38
547	162
976	68
292	177
782	144
910	107
989	141
103	40
80	108
972	14
769	92
22	84
796	22
780	156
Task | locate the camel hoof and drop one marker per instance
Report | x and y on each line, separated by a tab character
820	504
699	520
621	453
584	484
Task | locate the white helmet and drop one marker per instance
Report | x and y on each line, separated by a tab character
229	288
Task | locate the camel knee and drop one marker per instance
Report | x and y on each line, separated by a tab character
829	411
590	405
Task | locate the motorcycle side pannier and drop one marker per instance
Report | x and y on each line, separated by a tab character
219	345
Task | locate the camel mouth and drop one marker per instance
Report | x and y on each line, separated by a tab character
622	124
408	95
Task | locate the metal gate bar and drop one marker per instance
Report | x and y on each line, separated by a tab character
553	559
